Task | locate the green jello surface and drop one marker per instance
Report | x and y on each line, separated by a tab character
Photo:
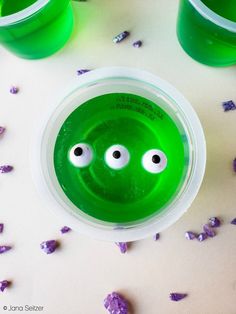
225	8
131	193
8	7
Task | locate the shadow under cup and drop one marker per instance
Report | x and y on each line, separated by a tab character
37	30
207	31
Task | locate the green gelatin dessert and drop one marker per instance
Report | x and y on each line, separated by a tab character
207	30
120	158
35	29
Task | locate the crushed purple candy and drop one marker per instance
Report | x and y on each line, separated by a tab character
228	105
6	168
202	236
49	246
4	284
214	222
65	229
1	228
2	130
82	71
137	44
209	231
120	37
14	90
4	248
233	222
177	296
116	304
156	237
234	164
189	235
123	246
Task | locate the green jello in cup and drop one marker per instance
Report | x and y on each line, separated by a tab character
122	156
35	29
207	30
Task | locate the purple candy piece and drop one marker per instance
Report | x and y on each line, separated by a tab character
1	228
156	237
137	44
116	304
202	236
2	130
177	296
189	235
49	246
5	169
120	37
228	105
233	222
65	229
82	71
4	284
209	231
4	248
14	90
123	246
214	222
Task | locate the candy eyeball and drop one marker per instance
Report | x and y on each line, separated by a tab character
117	156
154	161
81	155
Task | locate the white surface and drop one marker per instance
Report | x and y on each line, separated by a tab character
77	278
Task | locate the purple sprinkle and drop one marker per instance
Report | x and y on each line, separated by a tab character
214	222
1	228
177	296
202	236
137	44
156	237
14	90
189	235
228	105
49	246
233	222
209	231
234	164
4	248
2	130
116	304
65	229
120	37
4	284
123	246
6	169
82	71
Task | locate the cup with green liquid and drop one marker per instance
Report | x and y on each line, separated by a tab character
122	157
35	29
206	30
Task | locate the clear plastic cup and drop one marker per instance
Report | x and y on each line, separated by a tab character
37	30
207	31
121	157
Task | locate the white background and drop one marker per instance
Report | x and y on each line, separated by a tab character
77	277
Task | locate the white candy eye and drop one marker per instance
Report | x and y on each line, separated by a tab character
81	155
117	156
154	161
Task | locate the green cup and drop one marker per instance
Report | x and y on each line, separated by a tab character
207	30
35	29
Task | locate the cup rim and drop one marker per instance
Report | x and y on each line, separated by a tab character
213	17
155	225
21	15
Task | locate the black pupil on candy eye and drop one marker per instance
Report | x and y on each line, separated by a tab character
156	159
78	151
116	154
